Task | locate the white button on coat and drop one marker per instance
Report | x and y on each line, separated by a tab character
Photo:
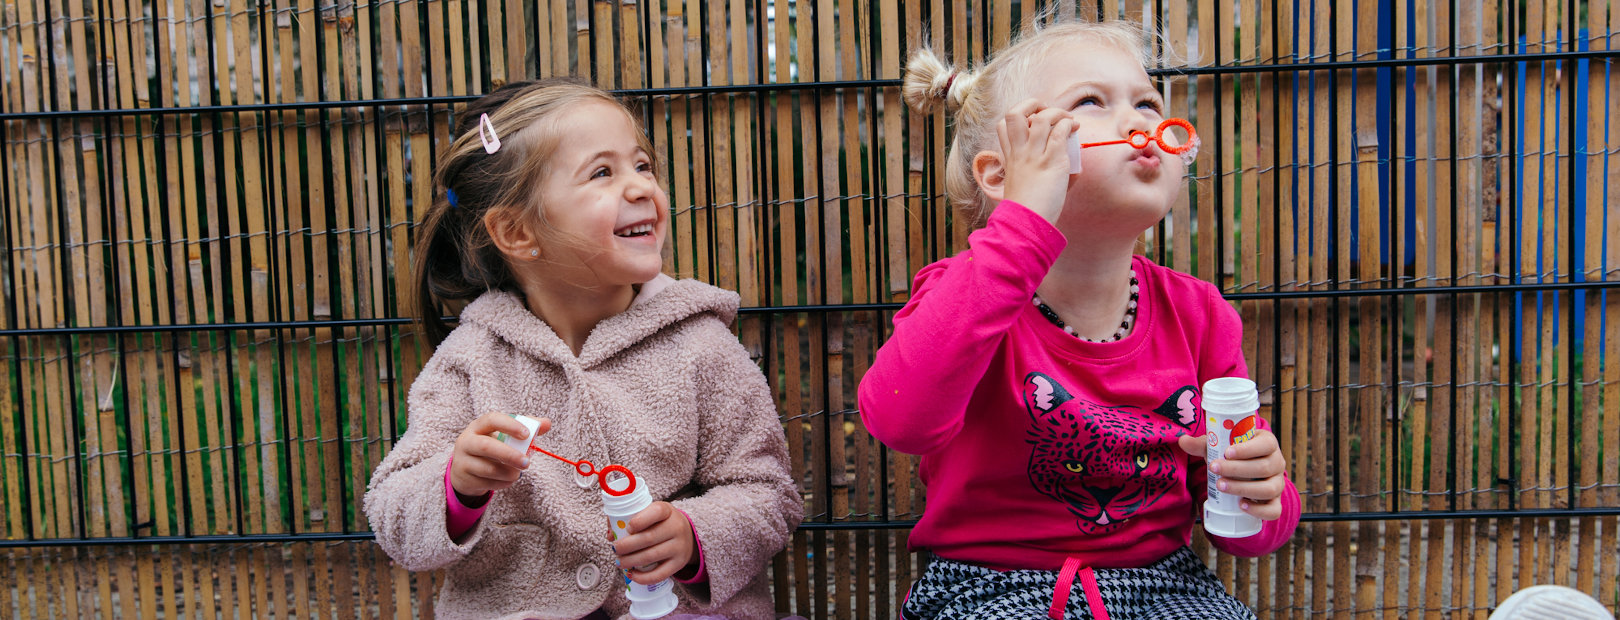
588	576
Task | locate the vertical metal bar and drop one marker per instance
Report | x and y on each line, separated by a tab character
1333	246
1512	136
1451	473
1276	229
335	308
1394	243
1215	162
1569	70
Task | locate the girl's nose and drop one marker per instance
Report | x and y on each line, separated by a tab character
640	187
1136	120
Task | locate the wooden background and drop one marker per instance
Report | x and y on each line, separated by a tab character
206	203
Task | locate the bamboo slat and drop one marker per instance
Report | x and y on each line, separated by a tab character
805	430
683	198
29	269
907	491
1444	353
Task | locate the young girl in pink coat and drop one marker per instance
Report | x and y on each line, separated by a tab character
550	222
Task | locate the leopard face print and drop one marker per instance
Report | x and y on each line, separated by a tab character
1103	463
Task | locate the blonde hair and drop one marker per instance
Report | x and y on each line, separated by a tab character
455	257
979	97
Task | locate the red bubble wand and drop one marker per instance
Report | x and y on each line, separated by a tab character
586	468
1139	139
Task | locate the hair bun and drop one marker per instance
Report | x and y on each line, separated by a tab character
930	83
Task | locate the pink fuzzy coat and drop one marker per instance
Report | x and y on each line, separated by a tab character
664	389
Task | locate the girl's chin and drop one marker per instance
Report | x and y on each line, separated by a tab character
1135	217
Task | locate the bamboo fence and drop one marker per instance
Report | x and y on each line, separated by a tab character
204	350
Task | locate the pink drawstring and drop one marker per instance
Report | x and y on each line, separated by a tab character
1065	583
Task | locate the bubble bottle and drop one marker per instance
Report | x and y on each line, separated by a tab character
1231	405
623	496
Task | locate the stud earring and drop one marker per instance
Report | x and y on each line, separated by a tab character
534	253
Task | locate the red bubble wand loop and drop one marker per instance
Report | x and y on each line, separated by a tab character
586	468
1140	139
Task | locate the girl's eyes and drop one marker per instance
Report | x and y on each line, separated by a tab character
1149	104
605	171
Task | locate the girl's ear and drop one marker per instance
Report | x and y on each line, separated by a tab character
513	234
991	174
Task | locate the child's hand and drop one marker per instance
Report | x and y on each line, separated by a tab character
482	463
660	544
1035	144
1252	470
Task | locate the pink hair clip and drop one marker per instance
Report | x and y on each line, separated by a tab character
492	141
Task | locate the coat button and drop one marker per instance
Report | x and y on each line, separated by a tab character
587	576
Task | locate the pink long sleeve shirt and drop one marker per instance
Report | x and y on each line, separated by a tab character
1037	446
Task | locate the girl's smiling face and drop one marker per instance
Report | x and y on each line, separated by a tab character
603	201
1120	189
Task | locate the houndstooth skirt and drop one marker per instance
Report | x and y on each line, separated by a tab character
1176	587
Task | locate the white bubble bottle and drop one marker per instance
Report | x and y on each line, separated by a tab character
646	601
1231	407
521	444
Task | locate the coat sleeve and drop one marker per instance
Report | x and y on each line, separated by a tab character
405	502
749	504
945	337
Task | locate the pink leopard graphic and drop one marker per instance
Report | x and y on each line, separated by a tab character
1103	463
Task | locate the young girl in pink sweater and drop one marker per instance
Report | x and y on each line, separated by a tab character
1047	375
550	222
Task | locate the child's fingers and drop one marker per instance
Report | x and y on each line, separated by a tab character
1016	129
492	449
1256	468
1191	444
635	546
490	423
661	558
652	515
492	470
1058	142
1269	510
650	553
1048	117
1043	128
1026	108
1002	140
1258	490
1040	134
1261	444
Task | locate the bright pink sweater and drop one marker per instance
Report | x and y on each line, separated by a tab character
1037	446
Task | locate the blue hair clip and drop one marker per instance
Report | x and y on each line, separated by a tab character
450	195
